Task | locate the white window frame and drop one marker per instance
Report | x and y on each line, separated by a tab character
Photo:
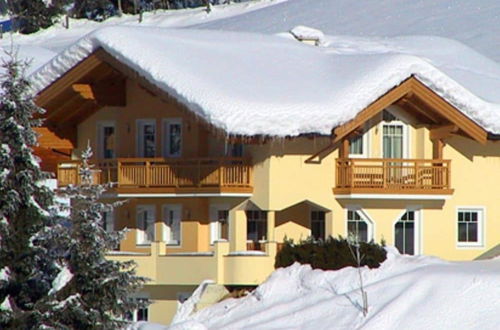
141	235
406	133
166	136
370	223
166	208
417	228
481	225
139	137
100	134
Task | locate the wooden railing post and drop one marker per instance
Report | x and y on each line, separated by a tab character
384	174
221	174
148	173
415	175
118	172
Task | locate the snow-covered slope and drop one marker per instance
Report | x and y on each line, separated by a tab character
253	84
475	23
57	37
406	292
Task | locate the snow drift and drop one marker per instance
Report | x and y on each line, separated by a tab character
253	84
406	292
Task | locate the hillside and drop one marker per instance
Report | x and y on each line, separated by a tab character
474	23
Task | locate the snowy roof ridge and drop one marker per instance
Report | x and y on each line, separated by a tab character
253	84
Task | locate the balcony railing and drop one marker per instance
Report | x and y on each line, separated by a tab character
393	176
166	175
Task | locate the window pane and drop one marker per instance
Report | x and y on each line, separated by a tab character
351	228
462	232
409	238
175	139
467	216
149	140
474	216
356	145
472	232
362	231
399	236
108	142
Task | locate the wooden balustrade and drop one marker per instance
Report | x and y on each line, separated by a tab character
158	174
414	176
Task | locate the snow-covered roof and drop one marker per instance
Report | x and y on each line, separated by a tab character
253	84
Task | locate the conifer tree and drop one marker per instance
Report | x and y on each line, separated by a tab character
33	15
26	267
53	271
100	289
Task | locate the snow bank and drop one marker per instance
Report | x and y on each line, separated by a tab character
251	84
404	293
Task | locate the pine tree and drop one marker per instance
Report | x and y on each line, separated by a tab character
26	267
100	290
53	271
33	15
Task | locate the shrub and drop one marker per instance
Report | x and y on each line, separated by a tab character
331	254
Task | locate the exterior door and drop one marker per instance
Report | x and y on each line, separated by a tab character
405	233
172	224
394	146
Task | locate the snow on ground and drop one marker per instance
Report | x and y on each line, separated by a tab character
57	37
406	292
251	84
474	23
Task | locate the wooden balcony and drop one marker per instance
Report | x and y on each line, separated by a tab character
393	176
160	175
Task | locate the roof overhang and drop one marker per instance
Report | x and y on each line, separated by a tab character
414	96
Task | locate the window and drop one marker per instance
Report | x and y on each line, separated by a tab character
394	137
256	225
172	137
219	226
140	314
108	221
145	224
172	215
235	150
357	225
318	225
146	138
106	143
470	226
405	233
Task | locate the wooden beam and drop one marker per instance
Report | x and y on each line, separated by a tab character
380	104
437	149
442	132
64	82
344	148
85	91
412	88
49	139
413	104
455	116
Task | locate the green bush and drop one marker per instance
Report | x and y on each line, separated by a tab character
331	254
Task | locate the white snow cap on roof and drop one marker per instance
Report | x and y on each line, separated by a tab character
252	84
